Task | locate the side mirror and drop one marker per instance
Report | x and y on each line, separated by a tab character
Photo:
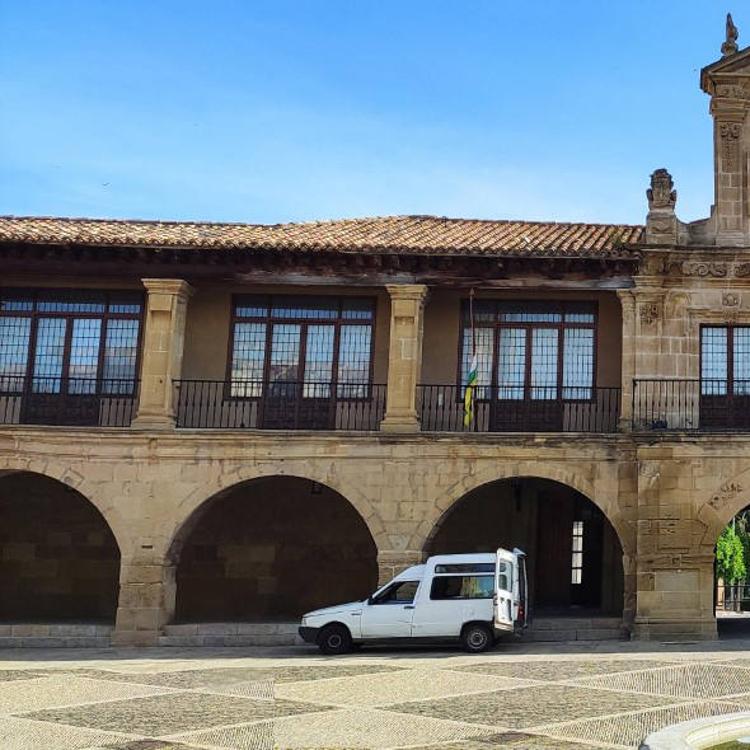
370	600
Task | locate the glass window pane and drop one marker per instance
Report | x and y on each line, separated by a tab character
248	355
48	357
529	312
124	303
463	587
741	363
318	361
120	356
357	308
511	363
305	307
62	301
252	307
15	302
354	361
14	352
285	345
578	362
714	365
485	311
544	344
84	355
484	344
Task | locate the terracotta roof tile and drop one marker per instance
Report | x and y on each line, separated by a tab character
410	234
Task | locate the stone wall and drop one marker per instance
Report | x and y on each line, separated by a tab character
58	558
273	549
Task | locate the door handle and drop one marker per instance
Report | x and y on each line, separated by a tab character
408	606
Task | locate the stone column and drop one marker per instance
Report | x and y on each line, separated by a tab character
392	562
146	603
627	304
163	340
404	357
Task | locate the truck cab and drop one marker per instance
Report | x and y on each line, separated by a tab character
470	598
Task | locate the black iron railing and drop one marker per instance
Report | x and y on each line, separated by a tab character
575	409
691	404
71	401
733	597
279	405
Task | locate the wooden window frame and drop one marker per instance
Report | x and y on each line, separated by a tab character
269	320
33	295
730	379
552	306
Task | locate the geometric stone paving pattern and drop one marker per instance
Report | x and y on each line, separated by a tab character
572	698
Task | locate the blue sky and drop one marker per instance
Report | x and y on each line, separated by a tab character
292	111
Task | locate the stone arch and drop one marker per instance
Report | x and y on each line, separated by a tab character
202	493
729	498
101	496
540	515
564	475
268	547
59	557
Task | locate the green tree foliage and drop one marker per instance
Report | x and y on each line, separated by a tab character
730	556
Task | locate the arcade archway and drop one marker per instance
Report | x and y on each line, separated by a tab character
271	549
575	561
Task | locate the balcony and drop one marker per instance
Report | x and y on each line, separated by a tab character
441	409
278	405
70	401
696	404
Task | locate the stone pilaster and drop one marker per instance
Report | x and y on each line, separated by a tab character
729	188
163	341
146	602
627	304
404	357
392	562
675	597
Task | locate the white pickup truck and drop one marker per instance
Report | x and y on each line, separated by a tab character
471	598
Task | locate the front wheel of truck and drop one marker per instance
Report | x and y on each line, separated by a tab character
335	639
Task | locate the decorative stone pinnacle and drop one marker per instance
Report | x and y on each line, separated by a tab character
661	194
730	43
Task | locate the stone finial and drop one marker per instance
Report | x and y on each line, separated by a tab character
661	194
730	43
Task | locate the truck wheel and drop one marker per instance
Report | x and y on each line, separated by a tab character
476	638
335	639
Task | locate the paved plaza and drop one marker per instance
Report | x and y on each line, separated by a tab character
519	696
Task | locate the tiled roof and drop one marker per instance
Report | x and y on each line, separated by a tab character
410	234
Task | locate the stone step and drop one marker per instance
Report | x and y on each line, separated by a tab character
547	629
231	634
55	635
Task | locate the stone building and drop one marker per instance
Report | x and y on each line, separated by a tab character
206	429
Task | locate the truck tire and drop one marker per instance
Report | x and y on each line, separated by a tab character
335	639
476	637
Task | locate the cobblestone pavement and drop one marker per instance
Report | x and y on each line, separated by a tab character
566	697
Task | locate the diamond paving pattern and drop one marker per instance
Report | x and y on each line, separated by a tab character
694	680
531	706
346	728
169	714
384	689
379	700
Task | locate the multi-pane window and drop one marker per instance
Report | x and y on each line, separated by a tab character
725	360
576	563
323	344
61	341
529	350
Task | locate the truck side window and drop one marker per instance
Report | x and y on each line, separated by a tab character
400	592
462	587
503	577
